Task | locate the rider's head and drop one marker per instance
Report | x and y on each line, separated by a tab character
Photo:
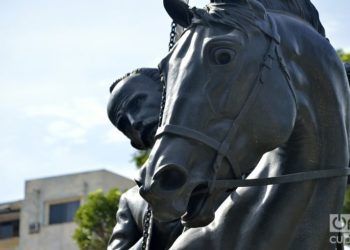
134	106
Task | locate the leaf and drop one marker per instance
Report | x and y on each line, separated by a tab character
96	219
140	157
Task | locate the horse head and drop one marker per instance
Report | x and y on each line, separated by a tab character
227	103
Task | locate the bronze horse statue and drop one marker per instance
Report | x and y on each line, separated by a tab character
255	99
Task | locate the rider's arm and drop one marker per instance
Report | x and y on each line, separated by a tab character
126	233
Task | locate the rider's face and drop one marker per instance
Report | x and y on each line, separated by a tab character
134	109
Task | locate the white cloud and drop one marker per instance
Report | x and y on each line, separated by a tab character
65	130
86	112
4	153
115	136
72	120
332	27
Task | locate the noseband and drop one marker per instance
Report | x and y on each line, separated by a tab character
222	148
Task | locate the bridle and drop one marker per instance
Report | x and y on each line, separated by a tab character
222	147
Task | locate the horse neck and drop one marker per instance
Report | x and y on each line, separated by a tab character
320	138
318	141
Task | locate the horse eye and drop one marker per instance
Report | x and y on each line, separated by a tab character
223	56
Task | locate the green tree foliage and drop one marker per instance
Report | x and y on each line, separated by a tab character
346	207
140	157
346	210
345	57
96	219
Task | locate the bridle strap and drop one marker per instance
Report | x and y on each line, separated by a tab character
196	136
188	133
234	183
283	179
222	148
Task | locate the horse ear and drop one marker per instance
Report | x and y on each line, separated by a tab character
179	11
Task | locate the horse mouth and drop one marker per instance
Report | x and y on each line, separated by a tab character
195	216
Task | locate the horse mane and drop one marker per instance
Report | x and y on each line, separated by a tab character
301	8
232	16
235	15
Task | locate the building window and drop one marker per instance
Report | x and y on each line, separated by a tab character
63	212
9	229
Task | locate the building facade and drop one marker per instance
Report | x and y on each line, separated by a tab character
9	225
44	219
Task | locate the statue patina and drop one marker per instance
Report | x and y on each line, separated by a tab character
265	142
134	108
263	95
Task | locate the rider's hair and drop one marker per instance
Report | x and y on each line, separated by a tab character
302	8
152	73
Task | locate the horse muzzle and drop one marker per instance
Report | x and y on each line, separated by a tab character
164	190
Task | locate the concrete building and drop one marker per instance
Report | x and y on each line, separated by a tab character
44	219
9	225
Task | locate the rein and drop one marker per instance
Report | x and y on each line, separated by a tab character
283	179
222	148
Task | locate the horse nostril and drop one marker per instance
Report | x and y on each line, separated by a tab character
171	177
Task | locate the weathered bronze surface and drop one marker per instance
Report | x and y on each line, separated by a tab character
134	108
251	93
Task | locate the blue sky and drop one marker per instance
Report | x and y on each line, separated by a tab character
57	61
